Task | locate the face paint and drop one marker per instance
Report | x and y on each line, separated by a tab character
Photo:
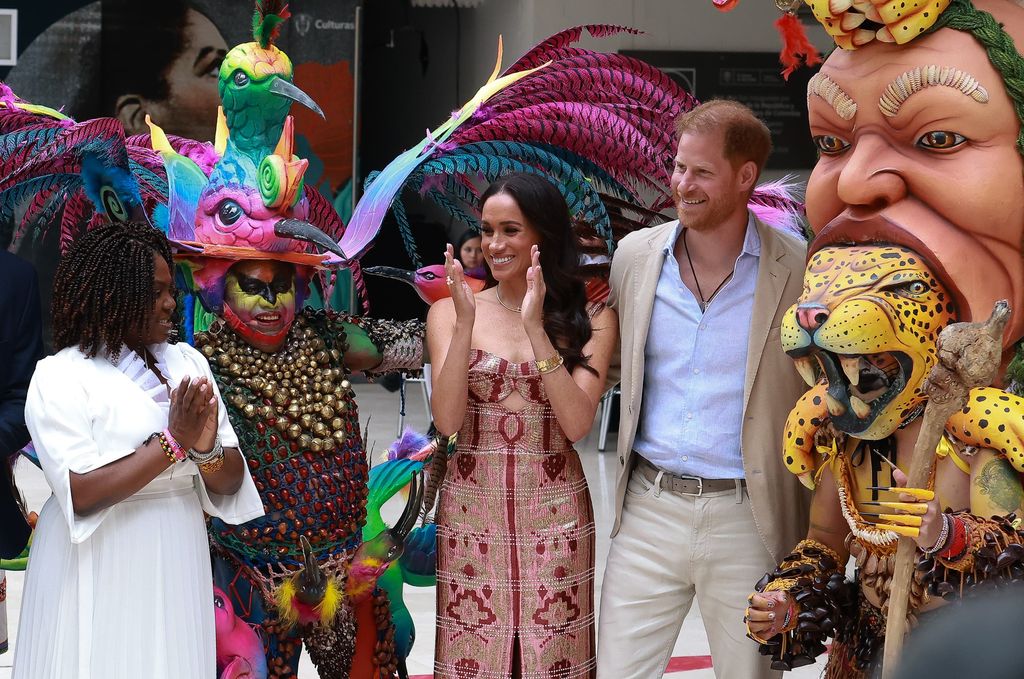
259	302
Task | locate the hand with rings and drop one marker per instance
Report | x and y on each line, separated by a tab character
769	614
462	294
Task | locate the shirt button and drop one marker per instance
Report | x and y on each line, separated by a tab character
696	371
689	416
685	458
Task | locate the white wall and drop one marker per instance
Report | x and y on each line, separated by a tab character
667	25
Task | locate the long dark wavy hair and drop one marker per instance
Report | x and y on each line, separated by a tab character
103	289
565	304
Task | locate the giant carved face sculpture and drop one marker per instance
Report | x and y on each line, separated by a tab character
918	147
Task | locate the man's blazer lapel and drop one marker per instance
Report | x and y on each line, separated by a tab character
772	276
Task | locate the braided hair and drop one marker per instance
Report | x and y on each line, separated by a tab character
961	15
103	289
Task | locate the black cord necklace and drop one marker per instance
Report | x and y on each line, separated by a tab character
703	303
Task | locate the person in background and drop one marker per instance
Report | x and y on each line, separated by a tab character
21	346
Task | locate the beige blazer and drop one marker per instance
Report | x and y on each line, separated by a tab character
780	503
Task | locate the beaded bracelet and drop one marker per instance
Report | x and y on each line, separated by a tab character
167	444
958	542
175	448
943	538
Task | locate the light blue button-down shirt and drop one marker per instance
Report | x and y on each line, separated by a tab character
694	371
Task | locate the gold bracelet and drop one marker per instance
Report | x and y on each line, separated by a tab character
549	365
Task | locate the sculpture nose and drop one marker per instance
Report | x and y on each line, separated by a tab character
811	316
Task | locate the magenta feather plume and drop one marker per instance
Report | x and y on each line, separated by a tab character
779	204
547	50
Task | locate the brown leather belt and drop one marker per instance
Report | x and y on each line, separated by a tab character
684	485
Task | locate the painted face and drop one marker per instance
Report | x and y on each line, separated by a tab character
259	302
157	326
705	185
470	254
190	109
934	168
506	237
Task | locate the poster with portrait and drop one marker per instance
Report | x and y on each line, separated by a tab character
128	59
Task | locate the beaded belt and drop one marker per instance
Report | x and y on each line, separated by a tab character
684	485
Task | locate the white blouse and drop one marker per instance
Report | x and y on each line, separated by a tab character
86	413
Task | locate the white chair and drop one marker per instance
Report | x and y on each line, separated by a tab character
606	416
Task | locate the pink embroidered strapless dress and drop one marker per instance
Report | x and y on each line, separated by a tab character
515	537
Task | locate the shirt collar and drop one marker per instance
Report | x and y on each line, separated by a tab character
751	241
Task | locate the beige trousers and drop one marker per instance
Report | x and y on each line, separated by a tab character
670	548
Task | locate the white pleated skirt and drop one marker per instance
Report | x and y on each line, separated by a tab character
133	600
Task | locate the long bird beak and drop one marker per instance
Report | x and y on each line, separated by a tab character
312	581
390	272
284	88
304	231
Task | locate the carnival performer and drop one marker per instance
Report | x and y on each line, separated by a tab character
520	368
916	192
135	444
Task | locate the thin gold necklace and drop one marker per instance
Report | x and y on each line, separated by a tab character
497	291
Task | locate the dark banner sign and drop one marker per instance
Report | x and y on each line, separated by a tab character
753	78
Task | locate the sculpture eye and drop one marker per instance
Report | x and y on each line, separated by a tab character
429	275
941	140
241	79
229	212
909	288
218	601
831	145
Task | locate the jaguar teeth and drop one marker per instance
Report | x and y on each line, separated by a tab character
861	408
851	367
805	366
835	407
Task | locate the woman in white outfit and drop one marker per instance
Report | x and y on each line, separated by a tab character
135	444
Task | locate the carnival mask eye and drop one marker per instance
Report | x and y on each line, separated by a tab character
940	140
229	212
241	79
909	288
830	144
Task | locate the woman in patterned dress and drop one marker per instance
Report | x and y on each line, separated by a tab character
522	366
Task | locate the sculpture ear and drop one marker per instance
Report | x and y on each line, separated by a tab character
130	109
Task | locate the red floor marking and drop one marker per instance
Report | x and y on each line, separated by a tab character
685	663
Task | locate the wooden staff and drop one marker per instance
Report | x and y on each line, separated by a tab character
969	357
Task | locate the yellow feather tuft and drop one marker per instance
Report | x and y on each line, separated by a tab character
157	138
331	605
220	142
283	599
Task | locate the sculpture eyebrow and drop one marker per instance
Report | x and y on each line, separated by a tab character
916	79
835	96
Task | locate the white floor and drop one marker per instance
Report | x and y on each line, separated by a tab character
378	412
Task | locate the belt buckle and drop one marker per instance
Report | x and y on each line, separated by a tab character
700	485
